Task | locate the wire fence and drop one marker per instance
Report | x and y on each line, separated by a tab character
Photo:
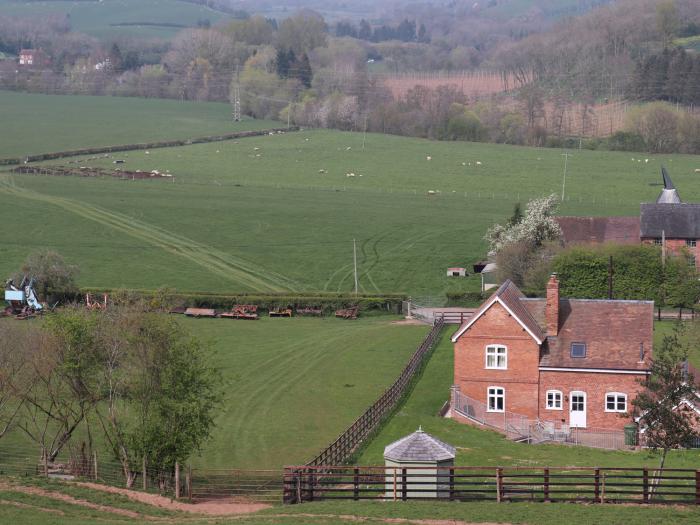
185	482
500	484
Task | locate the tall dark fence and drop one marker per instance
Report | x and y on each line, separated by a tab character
348	442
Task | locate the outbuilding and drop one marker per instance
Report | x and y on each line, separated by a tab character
456	272
426	461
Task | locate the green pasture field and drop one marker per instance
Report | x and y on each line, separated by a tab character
477	447
34	123
103	19
291	385
279	213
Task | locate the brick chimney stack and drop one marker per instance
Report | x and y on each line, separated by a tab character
551	309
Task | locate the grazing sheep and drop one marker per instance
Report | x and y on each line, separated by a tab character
646	161
464	163
256	148
322	171
431	192
428	158
148	152
349	174
218	151
478	163
697	170
348	148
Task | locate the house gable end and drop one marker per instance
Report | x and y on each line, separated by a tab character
497	302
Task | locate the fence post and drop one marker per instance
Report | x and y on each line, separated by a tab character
546	484
144	474
356	484
404	488
452	483
177	480
499	484
310	481
697	487
188	482
645	485
596	489
94	460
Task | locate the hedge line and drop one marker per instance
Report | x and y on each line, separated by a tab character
328	302
141	146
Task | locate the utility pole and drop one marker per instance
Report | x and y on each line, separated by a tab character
236	99
354	256
289	113
663	247
364	134
563	185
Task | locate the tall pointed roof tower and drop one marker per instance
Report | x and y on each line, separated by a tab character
669	195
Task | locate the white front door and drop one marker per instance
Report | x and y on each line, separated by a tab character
577	409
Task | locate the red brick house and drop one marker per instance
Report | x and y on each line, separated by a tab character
562	362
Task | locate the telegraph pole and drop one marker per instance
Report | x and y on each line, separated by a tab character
364	134
563	185
354	256
236	100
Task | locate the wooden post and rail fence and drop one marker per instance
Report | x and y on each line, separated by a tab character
501	484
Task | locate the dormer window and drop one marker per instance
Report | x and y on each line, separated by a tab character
658	241
578	350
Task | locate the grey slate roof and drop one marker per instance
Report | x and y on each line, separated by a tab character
419	447
676	221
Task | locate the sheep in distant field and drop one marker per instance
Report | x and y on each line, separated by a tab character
256	148
428	158
322	171
348	148
464	163
697	170
148	152
478	163
646	161
349	174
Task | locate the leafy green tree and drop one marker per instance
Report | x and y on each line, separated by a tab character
161	394
54	276
666	424
667	21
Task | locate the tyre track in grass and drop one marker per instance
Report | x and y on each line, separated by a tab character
313	361
217	262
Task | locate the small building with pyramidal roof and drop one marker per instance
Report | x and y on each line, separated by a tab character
430	460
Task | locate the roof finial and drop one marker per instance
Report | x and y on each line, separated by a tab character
420	428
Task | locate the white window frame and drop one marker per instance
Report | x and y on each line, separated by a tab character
691	243
571	350
554	393
496	396
496	355
617	395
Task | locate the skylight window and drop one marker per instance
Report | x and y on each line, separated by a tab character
578	349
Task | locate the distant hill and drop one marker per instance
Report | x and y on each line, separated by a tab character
107	19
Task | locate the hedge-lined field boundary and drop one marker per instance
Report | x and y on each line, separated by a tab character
141	146
327	302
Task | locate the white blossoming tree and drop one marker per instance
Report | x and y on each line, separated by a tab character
535	228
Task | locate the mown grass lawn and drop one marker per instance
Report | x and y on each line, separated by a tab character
284	209
488	448
291	385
